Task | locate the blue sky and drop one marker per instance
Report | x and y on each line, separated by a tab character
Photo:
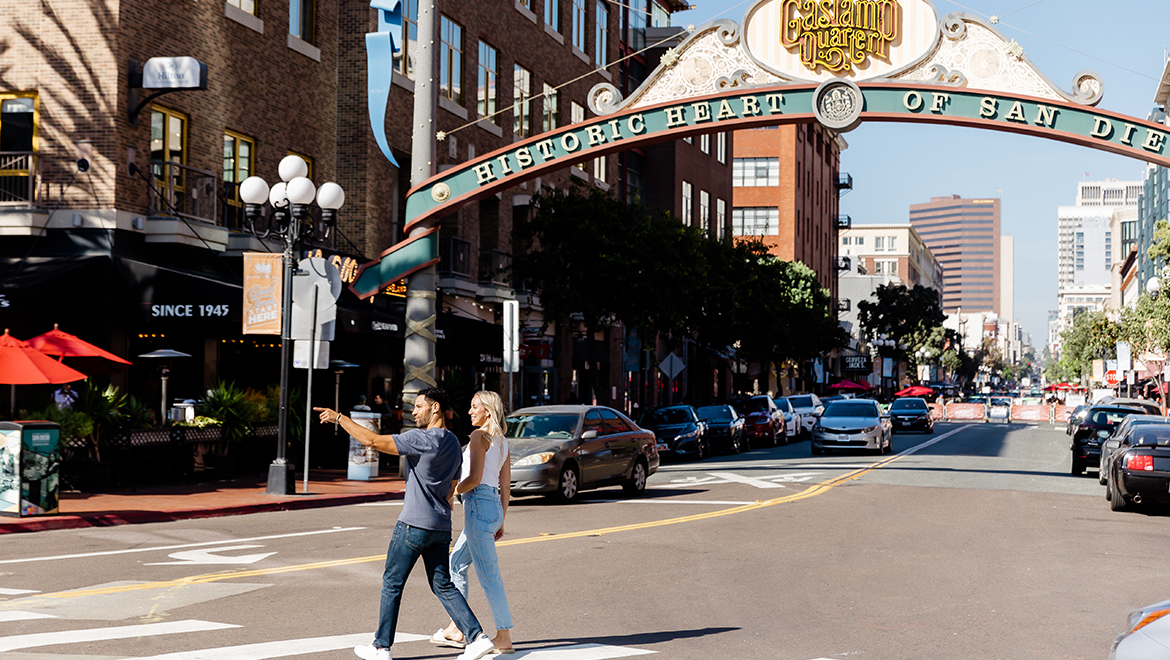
896	165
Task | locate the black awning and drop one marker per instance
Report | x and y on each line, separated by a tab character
164	293
469	342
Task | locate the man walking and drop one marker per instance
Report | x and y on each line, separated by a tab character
435	461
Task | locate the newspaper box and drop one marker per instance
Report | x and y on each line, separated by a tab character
30	466
363	461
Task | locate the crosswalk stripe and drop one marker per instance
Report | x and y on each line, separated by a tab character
581	652
280	649
17	592
61	637
17	615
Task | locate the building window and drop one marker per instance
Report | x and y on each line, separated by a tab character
168	143
451	60
635	31
551	113
552	14
527	4
720	218
844	240
749	172
237	163
601	35
308	162
755	221
885	267
244	5
860	240
599	167
578	34
522	101
704	212
893	244
301	22
635	164
879	243
688	192
705	143
659	16
721	147
487	94
405	56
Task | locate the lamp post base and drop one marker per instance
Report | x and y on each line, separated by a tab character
281	478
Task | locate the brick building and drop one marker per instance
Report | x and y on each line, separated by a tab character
154	222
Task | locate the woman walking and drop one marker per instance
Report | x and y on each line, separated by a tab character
484	485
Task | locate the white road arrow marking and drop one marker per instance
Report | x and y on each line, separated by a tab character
731	477
194	557
771	481
63	637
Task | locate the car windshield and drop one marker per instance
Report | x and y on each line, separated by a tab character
850	409
1001	402
783	405
542	425
715	413
1109	417
801	401
908	404
753	405
665	416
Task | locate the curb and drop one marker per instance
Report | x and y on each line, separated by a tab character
139	517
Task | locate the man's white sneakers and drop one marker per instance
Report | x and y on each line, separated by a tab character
368	652
477	649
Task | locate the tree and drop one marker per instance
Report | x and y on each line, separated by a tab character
1146	327
1159	250
1092	336
901	313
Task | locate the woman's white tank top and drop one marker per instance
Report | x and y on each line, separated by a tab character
493	460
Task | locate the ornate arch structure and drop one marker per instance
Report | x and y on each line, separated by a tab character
795	61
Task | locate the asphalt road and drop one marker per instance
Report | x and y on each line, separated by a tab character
973	542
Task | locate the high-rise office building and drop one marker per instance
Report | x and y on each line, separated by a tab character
963	234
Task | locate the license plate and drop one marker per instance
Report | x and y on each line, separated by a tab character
842	438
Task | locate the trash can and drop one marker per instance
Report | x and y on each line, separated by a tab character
363	461
30	467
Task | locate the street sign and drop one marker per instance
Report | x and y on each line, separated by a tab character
1111	377
671	366
315	274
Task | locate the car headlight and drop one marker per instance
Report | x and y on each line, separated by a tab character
536	459
870	429
687	436
1142	618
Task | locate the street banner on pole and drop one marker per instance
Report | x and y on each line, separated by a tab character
262	293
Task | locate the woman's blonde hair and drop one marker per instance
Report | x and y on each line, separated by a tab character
495	426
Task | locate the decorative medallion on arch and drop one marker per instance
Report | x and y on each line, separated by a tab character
839	63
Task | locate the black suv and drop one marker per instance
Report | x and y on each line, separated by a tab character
1092	432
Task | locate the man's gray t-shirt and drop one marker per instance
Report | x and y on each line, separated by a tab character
435	459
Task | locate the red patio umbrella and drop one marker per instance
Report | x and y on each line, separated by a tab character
83	355
21	364
849	385
915	390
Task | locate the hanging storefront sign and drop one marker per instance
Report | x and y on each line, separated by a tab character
263	293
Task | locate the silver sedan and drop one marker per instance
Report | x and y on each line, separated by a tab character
853	424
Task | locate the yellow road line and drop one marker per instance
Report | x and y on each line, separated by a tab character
812	491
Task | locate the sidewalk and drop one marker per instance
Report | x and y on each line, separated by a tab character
206	500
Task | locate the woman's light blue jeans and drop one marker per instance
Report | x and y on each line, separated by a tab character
482	516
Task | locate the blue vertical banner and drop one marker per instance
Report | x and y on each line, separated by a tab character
380	49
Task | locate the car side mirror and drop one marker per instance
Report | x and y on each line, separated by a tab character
589	435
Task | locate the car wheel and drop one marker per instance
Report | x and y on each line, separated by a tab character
636	484
735	448
890	445
700	452
568	486
776	438
1117	501
745	442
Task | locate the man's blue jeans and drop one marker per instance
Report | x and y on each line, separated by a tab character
406	546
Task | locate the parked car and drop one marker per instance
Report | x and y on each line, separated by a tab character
857	424
808	406
792	421
1139	471
679	430
1088	437
562	450
1146	636
1141	405
1075	418
1110	444
765	422
725	427
911	414
999	409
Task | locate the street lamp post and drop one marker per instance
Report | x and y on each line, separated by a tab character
290	220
